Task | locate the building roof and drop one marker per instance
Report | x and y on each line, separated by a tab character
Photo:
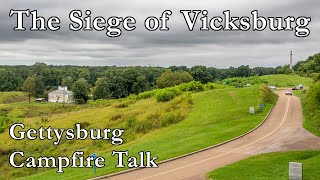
62	90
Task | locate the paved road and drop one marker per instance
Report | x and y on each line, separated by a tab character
282	131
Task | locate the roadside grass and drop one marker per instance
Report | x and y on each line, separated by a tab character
284	80
12	97
216	116
271	166
310	121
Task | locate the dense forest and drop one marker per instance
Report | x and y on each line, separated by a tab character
116	82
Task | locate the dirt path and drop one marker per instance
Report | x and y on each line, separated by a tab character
282	131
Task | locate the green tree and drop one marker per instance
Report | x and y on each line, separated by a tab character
39	86
316	78
169	78
140	85
242	71
80	90
200	73
9	81
67	82
117	83
29	86
39	68
101	90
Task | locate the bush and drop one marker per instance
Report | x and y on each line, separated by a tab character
210	86
84	124
194	86
266	95
146	95
167	94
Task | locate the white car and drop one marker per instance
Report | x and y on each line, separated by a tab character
272	87
288	92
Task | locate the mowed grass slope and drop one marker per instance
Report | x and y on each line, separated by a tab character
216	116
271	166
284	80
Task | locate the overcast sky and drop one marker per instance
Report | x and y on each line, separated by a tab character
178	46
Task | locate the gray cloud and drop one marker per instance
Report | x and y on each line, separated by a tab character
178	46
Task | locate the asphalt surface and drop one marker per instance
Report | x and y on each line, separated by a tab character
282	131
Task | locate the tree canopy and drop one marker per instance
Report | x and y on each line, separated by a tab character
169	78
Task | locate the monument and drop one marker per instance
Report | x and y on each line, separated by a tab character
295	171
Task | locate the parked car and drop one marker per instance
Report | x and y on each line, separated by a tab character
272	87
288	92
298	87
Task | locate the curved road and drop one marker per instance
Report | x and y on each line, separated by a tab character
282	131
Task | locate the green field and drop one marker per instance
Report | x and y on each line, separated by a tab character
200	120
284	80
271	166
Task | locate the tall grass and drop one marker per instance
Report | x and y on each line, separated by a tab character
136	117
311	108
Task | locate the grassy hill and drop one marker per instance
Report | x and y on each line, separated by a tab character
311	108
284	80
168	129
271	166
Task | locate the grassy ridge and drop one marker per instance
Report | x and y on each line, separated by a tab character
216	116
271	166
284	80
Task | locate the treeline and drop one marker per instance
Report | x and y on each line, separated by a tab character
111	81
309	67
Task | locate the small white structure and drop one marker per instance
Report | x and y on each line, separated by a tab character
62	95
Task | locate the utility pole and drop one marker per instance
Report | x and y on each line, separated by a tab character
291	60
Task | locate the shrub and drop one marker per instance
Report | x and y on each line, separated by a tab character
167	94
266	95
145	95
210	86
84	124
194	86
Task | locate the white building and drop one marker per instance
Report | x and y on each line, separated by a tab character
62	95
